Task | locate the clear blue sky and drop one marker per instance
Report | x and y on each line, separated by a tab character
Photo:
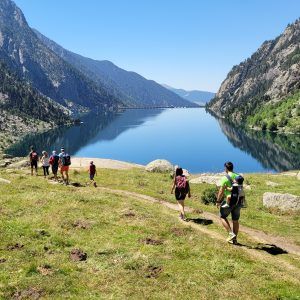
189	44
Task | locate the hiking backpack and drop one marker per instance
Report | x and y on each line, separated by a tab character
237	193
34	156
66	160
92	169
53	160
182	184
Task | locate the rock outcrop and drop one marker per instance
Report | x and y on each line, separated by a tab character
160	166
270	74
283	202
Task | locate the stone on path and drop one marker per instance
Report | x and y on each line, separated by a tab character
283	202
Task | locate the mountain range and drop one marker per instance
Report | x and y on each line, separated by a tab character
78	84
131	88
262	92
199	97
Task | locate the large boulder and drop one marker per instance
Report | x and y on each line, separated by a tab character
160	166
20	164
284	202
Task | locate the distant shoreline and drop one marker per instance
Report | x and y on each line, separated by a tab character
162	107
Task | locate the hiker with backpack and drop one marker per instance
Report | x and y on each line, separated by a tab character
64	163
230	201
182	188
92	172
54	162
45	163
33	159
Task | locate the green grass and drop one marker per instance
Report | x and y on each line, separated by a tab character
255	216
190	265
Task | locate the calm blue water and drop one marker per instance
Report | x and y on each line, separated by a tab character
191	138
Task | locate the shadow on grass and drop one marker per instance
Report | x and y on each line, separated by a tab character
201	221
269	248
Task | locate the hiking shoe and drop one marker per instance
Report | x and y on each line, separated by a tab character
230	237
233	241
182	217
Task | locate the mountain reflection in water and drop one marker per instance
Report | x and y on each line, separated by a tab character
191	138
103	126
274	151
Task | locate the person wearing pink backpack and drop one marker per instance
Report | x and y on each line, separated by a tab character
182	188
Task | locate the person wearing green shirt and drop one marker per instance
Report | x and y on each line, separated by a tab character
235	210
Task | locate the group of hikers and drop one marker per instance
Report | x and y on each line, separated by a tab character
230	198
61	161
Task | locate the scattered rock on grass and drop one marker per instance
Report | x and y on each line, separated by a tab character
2	260
78	255
208	178
149	241
283	202
271	183
2	180
31	293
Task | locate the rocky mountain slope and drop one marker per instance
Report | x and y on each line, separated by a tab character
132	88
269	76
26	55
199	97
24	110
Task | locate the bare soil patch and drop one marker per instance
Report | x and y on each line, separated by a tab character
150	241
78	255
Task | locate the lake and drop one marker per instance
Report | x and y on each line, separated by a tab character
189	137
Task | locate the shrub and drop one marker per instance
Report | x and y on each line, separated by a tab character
209	195
272	126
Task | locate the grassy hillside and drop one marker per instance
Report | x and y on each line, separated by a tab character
135	249
281	116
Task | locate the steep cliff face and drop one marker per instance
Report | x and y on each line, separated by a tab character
269	75
25	54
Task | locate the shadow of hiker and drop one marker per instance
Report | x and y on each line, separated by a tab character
269	248
201	221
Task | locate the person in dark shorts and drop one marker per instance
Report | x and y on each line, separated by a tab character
33	159
234	210
45	163
54	161
182	188
92	173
